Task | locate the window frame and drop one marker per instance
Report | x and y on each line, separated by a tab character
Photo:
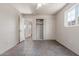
66	17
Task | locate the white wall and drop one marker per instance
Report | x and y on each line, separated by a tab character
67	36
49	27
8	27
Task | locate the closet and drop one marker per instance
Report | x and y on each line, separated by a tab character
39	29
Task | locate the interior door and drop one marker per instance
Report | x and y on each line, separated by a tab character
22	36
38	32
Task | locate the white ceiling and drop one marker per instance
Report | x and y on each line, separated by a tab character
50	8
30	8
25	8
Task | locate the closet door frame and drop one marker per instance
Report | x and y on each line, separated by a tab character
42	31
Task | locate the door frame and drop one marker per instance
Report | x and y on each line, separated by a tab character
31	28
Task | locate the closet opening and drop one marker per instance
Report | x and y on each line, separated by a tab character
39	29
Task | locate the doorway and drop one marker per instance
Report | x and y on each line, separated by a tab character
39	29
27	29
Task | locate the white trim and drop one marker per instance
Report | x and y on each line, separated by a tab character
65	15
71	8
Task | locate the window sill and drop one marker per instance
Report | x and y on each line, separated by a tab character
71	25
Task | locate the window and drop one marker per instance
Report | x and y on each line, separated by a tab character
72	16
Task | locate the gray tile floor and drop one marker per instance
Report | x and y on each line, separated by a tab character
39	48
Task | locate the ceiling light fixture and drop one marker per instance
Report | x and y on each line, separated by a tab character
40	5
